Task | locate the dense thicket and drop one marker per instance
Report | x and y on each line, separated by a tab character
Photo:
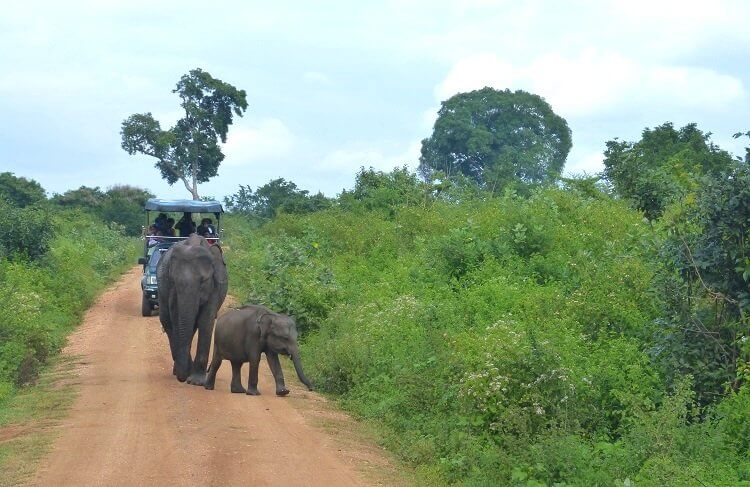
663	167
53	261
515	340
276	196
121	204
20	192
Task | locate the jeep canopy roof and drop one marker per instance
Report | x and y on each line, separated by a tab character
190	206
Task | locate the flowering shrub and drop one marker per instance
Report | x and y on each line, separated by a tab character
493	341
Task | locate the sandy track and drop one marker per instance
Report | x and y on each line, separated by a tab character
134	424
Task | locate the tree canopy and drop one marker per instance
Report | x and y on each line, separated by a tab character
384	190
497	138
189	151
19	191
665	165
747	149
278	195
121	204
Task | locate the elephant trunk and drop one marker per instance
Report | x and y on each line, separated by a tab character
298	369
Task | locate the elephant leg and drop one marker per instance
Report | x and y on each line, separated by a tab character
252	383
205	328
212	370
166	325
236	385
278	373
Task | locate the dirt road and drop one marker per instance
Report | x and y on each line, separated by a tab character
134	424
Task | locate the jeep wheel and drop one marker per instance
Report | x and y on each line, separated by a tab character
145	306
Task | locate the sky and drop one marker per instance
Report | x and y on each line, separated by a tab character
335	86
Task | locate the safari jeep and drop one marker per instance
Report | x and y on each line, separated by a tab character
175	220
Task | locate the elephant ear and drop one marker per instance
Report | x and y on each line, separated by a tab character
264	320
217	253
162	268
219	266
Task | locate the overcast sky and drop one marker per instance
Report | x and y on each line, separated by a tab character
333	86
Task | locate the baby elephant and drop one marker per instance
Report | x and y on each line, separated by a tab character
241	335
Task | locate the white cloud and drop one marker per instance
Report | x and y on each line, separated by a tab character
352	159
34	83
168	118
316	77
475	72
267	139
676	26
695	87
590	163
594	83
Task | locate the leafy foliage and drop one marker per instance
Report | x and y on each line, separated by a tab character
498	139
19	191
43	299
121	204
276	196
747	149
707	258
380	190
83	197
540	340
25	232
189	151
663	167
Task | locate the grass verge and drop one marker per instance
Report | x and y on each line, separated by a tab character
30	419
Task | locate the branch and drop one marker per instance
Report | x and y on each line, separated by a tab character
172	169
715	295
187	186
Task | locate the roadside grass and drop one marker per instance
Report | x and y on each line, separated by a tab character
359	443
30	418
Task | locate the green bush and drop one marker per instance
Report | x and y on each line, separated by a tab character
496	341
45	297
25	232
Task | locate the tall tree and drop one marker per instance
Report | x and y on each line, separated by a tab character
497	138
189	151
665	165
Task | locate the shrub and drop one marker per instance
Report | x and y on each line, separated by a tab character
494	341
25	233
45	298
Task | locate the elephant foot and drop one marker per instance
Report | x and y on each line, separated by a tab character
208	387
237	389
282	392
253	391
197	379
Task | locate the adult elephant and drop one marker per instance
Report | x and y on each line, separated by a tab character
192	280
